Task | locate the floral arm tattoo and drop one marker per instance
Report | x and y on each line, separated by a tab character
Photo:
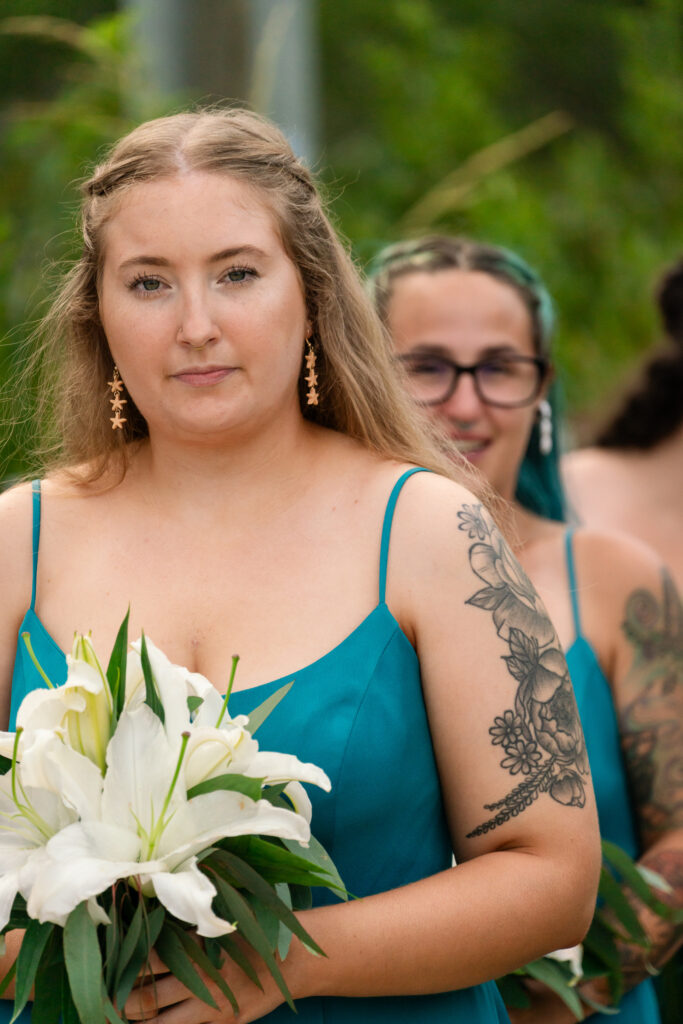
540	736
651	726
651	723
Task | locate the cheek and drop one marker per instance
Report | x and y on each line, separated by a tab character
514	426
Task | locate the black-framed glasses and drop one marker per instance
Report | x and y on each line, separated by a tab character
508	381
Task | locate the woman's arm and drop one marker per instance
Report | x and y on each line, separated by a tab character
648	693
633	617
15	597
527	873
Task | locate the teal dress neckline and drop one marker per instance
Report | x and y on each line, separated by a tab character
358	712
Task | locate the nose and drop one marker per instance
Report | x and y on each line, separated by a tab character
197	326
464	405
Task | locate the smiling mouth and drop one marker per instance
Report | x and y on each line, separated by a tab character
467	445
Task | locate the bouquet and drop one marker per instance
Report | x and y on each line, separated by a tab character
137	814
615	920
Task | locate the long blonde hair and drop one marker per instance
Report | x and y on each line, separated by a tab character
361	392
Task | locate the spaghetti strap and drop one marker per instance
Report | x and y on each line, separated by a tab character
571	573
386	528
35	489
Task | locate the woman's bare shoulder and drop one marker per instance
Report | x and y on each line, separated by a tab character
16	528
588	469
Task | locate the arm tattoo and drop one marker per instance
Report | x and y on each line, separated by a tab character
665	936
540	736
651	723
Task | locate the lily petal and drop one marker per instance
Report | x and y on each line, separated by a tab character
188	895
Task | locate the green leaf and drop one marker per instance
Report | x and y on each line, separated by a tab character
231	781
151	695
149	932
274	862
5	764
9	977
49	979
556	978
193	703
69	1011
317	855
84	964
285	936
109	1012
116	669
173	953
236	953
636	877
513	992
30	954
196	953
252	932
614	898
129	944
258	716
251	880
599	943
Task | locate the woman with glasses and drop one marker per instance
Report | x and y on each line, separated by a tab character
471	325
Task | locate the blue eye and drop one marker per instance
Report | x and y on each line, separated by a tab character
145	284
239	275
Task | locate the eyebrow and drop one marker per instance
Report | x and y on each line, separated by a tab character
491	351
224	254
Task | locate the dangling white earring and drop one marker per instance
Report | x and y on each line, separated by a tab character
545	427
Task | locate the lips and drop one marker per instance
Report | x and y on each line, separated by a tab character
470	447
203	376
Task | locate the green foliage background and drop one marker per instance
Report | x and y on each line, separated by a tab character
420	98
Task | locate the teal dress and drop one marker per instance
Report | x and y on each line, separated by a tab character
358	712
617	823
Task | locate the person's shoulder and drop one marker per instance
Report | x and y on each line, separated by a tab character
590	466
622	562
437	522
16	529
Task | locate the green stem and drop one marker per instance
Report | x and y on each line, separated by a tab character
161	823
26	637
235	659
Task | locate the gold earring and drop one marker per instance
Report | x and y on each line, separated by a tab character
311	377
117	401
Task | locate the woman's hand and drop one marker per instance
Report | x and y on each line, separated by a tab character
165	999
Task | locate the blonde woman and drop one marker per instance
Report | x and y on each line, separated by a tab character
248	481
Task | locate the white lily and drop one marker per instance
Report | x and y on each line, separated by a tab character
80	710
219	744
174	684
572	955
29	818
149	831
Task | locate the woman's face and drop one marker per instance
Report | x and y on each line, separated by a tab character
202	308
469	317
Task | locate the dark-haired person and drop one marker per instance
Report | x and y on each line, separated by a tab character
241	465
471	325
632	478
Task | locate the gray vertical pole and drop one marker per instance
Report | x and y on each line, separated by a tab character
262	52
